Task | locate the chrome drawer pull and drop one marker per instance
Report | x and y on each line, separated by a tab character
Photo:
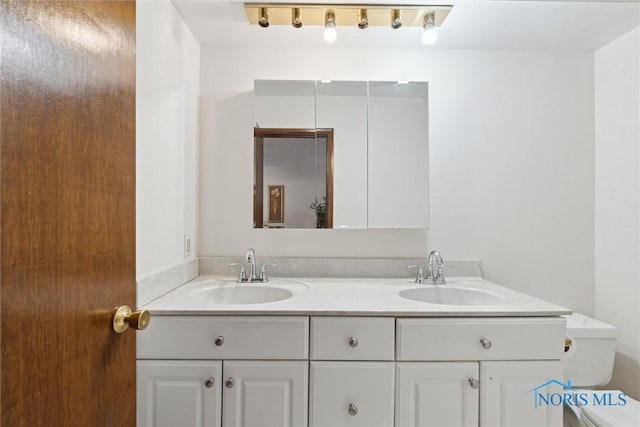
219	341
210	382
230	382
486	344
353	342
474	383
353	409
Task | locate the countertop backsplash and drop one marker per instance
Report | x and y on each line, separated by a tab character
339	267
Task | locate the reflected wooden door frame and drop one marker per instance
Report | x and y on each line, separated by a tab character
259	134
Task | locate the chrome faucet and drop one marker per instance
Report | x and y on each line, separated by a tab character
243	277
251	259
435	268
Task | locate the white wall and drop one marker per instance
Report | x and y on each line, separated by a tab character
292	162
167	89
511	160
617	201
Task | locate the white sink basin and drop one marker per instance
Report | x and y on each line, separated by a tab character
224	293
451	296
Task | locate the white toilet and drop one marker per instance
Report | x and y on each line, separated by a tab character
589	363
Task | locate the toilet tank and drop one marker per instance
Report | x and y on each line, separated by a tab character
589	360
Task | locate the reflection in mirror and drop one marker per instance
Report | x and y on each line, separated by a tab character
293	185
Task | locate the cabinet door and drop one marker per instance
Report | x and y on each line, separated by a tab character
509	390
175	393
265	394
352	394
438	394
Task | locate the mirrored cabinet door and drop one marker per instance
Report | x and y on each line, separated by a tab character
398	155
342	107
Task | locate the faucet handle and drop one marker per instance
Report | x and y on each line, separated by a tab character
242	276
420	273
439	279
263	271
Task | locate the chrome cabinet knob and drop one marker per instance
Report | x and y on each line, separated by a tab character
210	382
474	383
486	344
230	382
353	342
353	409
219	341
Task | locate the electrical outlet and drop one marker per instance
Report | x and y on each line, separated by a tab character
187	245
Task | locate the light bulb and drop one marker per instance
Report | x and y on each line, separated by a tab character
330	32
430	34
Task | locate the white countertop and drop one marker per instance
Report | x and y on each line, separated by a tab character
351	297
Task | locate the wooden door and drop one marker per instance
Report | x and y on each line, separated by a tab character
67	208
265	393
179	393
436	394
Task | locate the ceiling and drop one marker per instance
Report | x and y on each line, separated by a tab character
513	24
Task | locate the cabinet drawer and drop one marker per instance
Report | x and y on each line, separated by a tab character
480	339
351	394
209	337
352	338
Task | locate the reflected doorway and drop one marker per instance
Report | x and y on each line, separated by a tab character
293	178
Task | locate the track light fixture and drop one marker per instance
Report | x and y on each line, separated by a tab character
430	34
396	22
296	17
363	19
330	33
362	16
263	17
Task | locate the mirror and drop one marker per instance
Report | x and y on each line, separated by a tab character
340	154
398	155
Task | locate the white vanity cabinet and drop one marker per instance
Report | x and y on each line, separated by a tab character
343	371
265	393
506	395
200	371
178	393
352	371
496	363
437	394
351	394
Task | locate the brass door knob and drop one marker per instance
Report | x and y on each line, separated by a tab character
125	317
